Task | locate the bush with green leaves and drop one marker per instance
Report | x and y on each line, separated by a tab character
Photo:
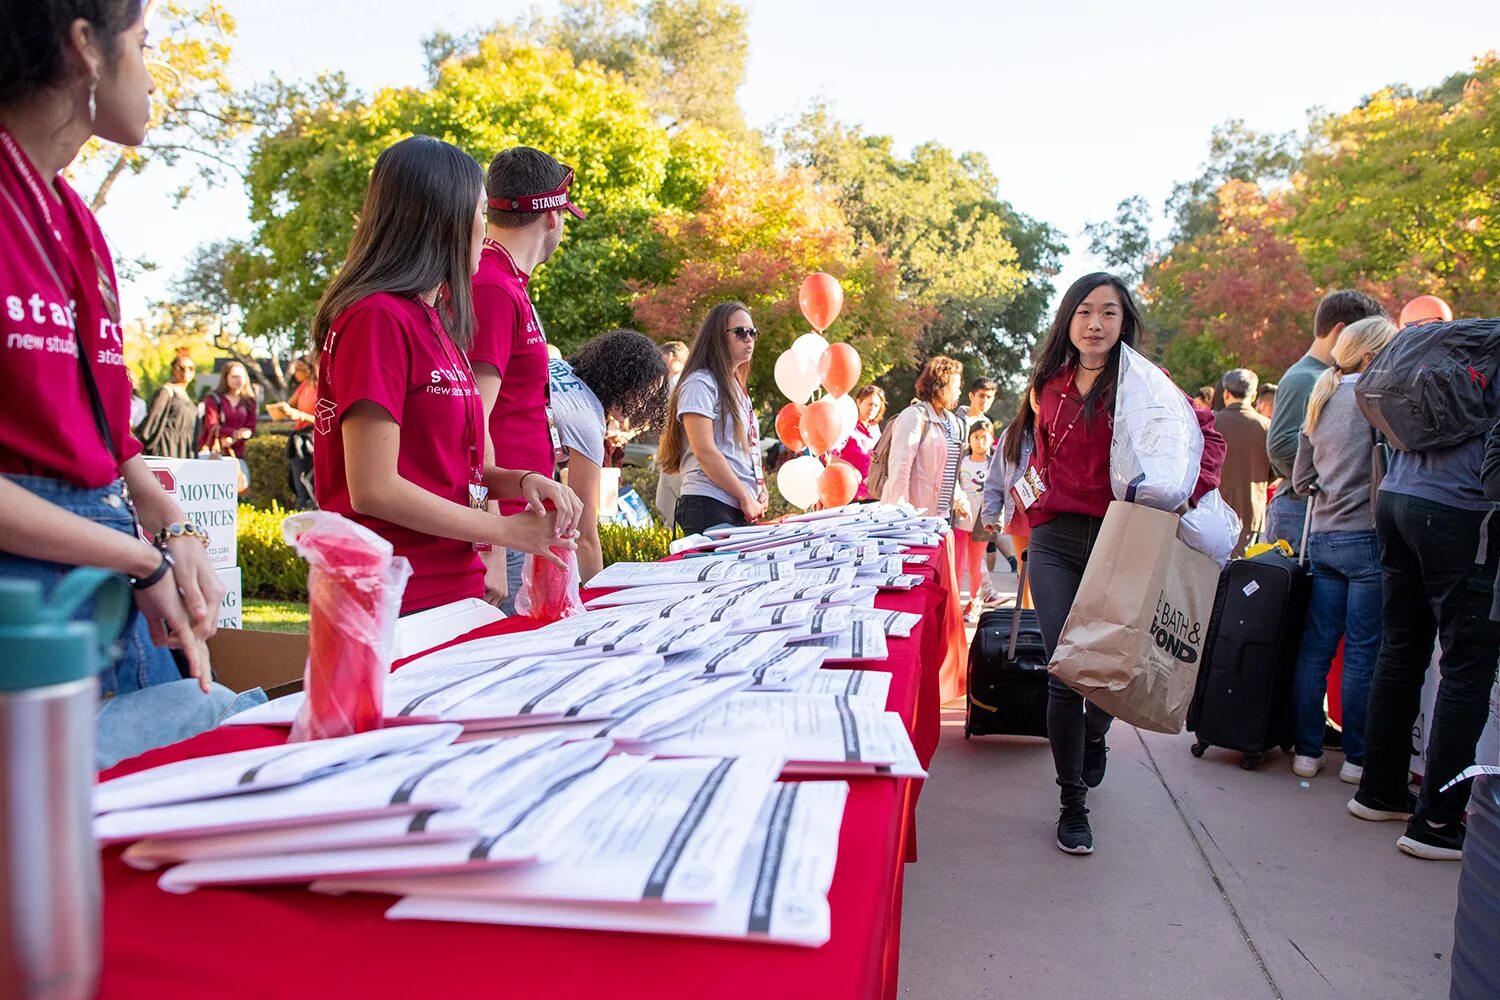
622	543
265	453
269	567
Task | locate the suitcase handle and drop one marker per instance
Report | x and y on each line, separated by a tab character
1015	615
1312	498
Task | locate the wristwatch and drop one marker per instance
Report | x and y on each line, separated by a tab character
180	529
145	582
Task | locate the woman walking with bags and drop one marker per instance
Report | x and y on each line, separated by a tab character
711	436
1065	491
1333	468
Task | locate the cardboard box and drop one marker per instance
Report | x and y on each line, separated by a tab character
207	490
230	610
248	658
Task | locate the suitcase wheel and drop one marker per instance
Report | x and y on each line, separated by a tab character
1250	761
1198	748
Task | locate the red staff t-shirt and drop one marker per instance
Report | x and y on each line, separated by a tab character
509	338
47	425
392	351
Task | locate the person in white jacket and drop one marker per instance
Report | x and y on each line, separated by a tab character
927	443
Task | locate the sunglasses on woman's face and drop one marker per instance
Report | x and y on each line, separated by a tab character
745	332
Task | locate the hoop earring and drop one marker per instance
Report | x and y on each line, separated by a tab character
93	87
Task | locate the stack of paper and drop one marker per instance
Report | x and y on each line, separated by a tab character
819	734
672	832
779	891
860	641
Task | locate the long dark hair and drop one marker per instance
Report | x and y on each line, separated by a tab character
415	233
1057	352
34	41
710	352
625	370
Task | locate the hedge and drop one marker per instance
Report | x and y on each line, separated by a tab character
271	569
265	453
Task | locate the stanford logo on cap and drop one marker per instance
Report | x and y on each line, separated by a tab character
547	201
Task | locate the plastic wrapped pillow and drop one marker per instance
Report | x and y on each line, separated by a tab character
1156	449
1212	527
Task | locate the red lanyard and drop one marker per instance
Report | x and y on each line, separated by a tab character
1054	441
107	297
470	424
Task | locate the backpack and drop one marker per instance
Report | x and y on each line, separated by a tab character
1430	387
880	457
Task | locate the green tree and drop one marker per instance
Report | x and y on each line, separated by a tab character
981	270
196	114
757	231
1235	153
1400	193
1124	243
308	176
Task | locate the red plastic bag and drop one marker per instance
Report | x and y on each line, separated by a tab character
549	593
354	589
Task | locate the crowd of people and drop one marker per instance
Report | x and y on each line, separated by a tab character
433	411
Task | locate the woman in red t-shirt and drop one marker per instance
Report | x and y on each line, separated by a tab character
67	459
1070	421
229	413
399	421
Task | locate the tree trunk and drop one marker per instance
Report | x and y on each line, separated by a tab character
97	202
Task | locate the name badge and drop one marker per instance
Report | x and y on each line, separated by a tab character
479	495
557	448
1028	489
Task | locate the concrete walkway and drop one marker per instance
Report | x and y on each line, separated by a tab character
1207	883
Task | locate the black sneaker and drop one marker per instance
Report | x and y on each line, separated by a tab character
1433	843
1095	757
1381	812
1073	833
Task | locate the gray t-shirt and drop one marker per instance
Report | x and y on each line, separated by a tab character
577	412
1449	476
698	394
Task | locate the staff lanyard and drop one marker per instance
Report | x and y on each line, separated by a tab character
460	365
1054	441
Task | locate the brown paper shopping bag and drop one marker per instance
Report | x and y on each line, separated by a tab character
1135	634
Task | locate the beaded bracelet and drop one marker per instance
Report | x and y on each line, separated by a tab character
181	529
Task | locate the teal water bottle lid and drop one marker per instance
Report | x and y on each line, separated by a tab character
40	642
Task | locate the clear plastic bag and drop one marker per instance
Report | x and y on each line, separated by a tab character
354	587
549	594
1212	527
1157	448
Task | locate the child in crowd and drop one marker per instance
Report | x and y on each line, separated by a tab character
970	536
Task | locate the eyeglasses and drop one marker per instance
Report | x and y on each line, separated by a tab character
745	332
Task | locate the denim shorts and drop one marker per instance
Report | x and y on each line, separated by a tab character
140	663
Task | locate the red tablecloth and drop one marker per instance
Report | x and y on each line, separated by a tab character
282	943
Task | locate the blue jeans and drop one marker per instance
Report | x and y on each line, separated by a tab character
145	702
1346	603
1284	518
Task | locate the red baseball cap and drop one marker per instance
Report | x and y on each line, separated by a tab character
547	201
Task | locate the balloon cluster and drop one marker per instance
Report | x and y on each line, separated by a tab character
823	425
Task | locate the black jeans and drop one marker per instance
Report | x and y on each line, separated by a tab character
696	513
1055	559
1438	565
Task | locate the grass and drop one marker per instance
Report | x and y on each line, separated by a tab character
275	616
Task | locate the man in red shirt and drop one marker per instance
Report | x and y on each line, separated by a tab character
528	196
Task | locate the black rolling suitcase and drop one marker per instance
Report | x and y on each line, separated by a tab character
1243	698
1007	673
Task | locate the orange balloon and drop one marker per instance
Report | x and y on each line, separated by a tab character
837	484
839	368
1425	309
820	425
788	426
821	299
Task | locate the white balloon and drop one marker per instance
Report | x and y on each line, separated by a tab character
811	345
798	481
849	413
795	377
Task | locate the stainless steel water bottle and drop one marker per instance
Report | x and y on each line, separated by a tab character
49	860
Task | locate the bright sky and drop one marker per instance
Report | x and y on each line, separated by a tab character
1077	103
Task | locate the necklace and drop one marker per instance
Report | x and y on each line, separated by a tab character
1088	369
